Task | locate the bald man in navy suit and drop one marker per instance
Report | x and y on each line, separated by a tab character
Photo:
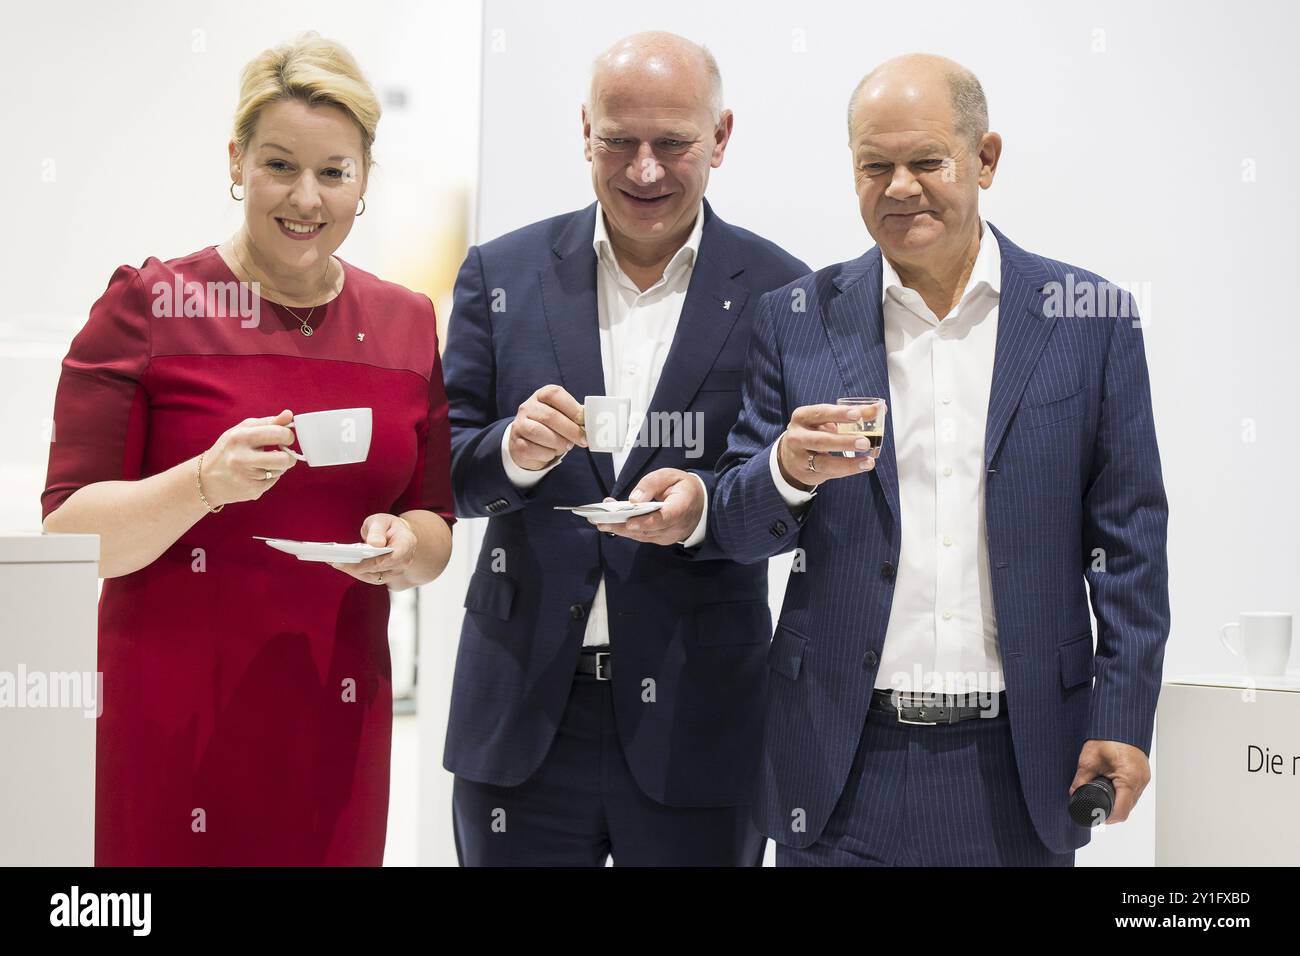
931	698
608	695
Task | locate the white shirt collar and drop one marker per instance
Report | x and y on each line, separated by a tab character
987	269
686	255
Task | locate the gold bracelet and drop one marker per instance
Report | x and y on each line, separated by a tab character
198	476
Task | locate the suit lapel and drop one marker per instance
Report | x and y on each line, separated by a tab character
855	328
712	305
569	302
1023	330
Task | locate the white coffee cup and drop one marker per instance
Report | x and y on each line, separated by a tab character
606	419
1265	641
340	436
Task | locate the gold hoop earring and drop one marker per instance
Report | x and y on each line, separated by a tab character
363	206
232	193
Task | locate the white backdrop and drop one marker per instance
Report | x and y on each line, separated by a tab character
1145	141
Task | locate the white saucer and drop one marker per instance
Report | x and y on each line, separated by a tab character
325	550
612	512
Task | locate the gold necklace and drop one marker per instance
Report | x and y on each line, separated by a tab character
304	327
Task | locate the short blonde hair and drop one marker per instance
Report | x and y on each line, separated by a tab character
311	69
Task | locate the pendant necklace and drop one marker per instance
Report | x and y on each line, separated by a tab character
303	324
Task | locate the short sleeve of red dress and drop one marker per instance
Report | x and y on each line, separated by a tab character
430	487
100	408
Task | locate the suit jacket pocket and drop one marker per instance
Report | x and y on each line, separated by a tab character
491	594
1049	413
785	656
733	622
1076	660
723	380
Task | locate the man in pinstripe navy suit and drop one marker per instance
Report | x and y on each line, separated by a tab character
931	699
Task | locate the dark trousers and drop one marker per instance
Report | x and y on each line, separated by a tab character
583	805
944	795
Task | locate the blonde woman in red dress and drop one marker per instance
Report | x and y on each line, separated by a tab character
247	695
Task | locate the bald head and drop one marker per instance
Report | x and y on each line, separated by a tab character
655	58
919	76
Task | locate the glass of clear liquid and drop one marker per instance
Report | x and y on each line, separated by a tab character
870	426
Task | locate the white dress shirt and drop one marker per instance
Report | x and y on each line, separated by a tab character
636	334
942	633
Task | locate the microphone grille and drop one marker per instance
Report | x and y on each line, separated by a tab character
1087	800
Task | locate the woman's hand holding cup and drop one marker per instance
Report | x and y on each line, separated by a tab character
239	468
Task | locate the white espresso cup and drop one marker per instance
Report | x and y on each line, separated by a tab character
606	419
1265	641
340	436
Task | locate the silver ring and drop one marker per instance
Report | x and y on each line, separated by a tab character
379	577
812	461
269	476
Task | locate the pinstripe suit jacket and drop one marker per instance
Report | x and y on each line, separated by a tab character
1072	467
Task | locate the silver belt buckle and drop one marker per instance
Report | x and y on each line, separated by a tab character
903	720
599	655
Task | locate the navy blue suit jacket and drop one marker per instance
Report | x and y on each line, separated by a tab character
689	629
1071	466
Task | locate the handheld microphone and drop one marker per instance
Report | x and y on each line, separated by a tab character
1088	799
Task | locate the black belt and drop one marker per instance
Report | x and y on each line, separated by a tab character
596	662
925	708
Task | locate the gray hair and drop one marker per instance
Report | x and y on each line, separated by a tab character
970	108
715	83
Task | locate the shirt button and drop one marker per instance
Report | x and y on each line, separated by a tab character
947	471
947	615
947	399
947	541
870	659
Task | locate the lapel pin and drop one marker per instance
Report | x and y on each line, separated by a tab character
727	305
361	336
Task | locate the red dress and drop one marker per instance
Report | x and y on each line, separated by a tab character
247	695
